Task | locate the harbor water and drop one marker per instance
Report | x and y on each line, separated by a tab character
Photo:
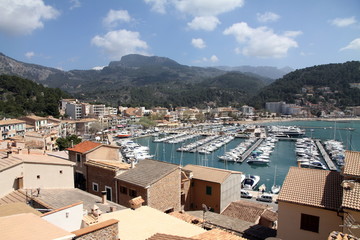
282	158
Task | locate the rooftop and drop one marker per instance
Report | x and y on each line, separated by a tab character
209	174
312	187
16	208
108	164
32	227
145	221
352	164
8	162
84	147
351	197
11	122
147	172
245	210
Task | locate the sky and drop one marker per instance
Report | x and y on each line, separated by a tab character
79	34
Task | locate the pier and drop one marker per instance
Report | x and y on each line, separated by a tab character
325	155
249	151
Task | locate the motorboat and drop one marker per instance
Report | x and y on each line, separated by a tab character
250	182
313	164
257	160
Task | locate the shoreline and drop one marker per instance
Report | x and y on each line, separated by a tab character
298	119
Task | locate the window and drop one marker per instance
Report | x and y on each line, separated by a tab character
78	159
95	187
60	171
38	176
132	193
123	190
108	193
309	223
208	190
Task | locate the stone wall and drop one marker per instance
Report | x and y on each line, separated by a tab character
107	230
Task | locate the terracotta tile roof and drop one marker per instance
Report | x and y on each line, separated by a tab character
270	215
216	175
162	236
352	163
341	236
351	197
11	122
95	227
84	147
312	187
245	210
137	201
147	172
13	197
186	217
217	234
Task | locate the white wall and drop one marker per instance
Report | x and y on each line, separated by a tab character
8	179
69	219
230	190
49	176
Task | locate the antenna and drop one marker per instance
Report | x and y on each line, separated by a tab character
205	209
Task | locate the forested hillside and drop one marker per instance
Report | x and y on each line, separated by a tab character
313	80
21	96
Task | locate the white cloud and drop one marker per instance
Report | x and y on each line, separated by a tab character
158	6
208	23
267	17
198	43
354	45
75	4
119	43
214	59
29	55
98	68
21	17
343	22
114	17
206	7
262	41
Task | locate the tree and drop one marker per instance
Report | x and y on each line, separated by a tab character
67	142
147	122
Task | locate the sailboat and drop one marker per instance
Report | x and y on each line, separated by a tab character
275	189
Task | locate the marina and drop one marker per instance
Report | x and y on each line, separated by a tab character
283	155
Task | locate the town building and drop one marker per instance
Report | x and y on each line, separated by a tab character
313	203
85	151
214	187
11	128
158	183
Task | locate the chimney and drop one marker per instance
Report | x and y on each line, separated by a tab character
103	197
112	209
132	163
136	202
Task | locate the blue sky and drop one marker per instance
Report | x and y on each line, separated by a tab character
79	34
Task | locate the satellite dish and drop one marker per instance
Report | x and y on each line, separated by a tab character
205	208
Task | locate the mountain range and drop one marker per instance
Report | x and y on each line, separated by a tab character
159	81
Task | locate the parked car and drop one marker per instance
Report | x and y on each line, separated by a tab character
265	197
245	194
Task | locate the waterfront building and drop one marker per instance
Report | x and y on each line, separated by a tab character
157	183
214	187
313	203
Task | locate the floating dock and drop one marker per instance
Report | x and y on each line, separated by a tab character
249	151
325	155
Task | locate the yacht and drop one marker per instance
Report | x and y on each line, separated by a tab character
257	160
250	182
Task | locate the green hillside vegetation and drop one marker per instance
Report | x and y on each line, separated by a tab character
335	76
21	96
229	89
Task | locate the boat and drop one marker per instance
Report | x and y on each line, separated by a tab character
250	182
313	164
257	160
123	135
275	189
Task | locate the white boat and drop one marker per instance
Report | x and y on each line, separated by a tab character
257	160
313	164
275	189
250	182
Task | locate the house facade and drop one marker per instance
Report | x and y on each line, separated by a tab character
11	128
216	188
84	151
158	183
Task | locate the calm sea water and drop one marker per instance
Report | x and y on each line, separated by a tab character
281	158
